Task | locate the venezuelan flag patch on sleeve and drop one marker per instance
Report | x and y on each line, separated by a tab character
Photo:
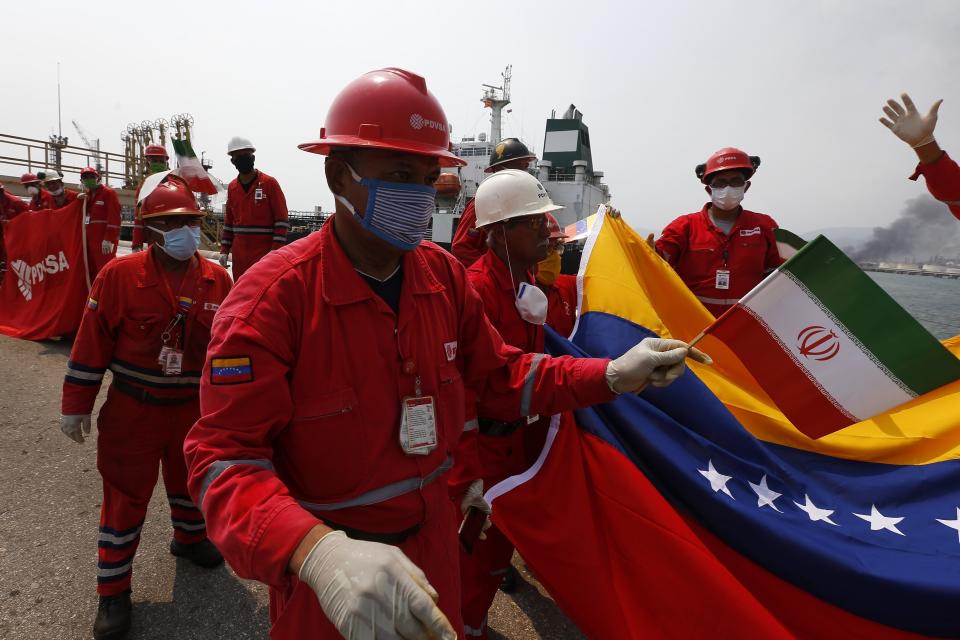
232	370
91	304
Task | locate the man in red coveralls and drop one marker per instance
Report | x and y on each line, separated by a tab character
58	196
940	170
338	381
34	187
560	289
102	221
470	242
512	207
723	250
148	321
10	207
157	161
255	217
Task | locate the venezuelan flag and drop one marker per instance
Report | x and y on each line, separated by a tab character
699	510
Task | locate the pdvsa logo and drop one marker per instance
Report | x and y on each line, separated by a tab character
818	343
28	275
418	122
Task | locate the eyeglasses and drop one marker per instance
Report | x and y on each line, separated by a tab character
535	222
721	183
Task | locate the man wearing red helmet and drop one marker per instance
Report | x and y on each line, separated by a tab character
470	242
342	375
940	170
34	186
148	320
102	221
723	250
157	161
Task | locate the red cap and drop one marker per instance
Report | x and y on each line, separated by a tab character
554	227
172	197
155	151
89	170
726	159
387	109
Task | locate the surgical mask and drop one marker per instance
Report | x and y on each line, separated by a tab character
397	212
58	191
33	191
548	269
89	183
157	167
244	164
531	303
727	198
180	243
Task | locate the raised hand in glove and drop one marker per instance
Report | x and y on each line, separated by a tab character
371	590
474	498
106	247
654	361
75	426
907	123
223	260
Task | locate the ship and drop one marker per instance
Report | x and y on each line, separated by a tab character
565	166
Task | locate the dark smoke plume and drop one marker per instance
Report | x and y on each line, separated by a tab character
925	229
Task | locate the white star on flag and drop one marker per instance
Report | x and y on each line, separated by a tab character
718	481
879	521
953	524
815	512
765	495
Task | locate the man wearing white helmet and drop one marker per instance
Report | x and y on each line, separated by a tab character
255	218
59	196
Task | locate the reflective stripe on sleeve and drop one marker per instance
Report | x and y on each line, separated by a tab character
282	223
706	300
220	466
384	493
471	425
527	395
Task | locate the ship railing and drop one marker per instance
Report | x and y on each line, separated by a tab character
28	155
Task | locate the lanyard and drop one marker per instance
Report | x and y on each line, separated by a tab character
182	303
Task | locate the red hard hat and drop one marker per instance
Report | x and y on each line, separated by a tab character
727	159
87	170
387	109
155	151
554	227
27	178
172	197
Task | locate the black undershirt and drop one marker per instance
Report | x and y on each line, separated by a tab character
388	290
246	187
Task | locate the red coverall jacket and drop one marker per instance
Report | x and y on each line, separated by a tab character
300	412
697	249
103	223
50	202
10	207
254	221
562	304
129	307
469	242
943	181
41	201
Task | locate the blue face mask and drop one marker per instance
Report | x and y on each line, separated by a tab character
397	212
180	243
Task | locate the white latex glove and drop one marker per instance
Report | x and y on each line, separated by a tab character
655	361
223	260
107	247
907	124
474	498
371	590
75	426
136	249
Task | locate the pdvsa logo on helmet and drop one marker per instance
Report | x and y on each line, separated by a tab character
29	275
418	122
726	159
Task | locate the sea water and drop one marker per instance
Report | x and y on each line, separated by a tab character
935	302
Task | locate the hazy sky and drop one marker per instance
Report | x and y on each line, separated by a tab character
661	85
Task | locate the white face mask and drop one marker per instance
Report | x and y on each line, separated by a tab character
33	190
58	192
531	303
727	198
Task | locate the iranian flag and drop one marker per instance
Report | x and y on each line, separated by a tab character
828	345
191	169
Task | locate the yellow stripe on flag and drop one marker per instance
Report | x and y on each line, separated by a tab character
229	362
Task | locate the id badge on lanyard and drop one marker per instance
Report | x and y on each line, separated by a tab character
723	279
173	337
418	423
258	194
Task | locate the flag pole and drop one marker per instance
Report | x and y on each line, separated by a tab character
83	236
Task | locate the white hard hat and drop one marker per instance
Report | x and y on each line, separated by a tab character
52	175
239	144
511	193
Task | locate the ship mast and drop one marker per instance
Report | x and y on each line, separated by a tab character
496	98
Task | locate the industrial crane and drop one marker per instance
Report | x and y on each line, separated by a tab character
90	145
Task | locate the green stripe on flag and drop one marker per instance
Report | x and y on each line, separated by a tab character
886	329
183	148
